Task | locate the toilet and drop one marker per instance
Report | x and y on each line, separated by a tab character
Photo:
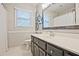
27	44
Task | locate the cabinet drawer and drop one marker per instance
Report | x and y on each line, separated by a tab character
54	51
42	44
36	40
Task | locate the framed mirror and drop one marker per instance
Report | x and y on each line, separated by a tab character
59	16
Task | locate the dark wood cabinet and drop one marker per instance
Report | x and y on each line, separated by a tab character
43	48
42	44
54	51
41	52
67	54
48	55
32	48
36	50
36	40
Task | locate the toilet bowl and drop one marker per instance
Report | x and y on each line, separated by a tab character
27	44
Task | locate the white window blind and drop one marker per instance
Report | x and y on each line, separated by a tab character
23	18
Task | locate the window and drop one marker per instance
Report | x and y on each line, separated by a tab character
23	18
46	21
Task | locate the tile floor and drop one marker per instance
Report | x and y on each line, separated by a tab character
18	51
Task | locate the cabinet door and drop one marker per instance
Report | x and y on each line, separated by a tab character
41	52
32	47
36	50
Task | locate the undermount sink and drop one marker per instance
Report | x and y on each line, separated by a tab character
48	36
45	35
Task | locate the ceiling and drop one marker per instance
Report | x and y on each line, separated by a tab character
33	5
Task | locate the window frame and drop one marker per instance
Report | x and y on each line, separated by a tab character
16	18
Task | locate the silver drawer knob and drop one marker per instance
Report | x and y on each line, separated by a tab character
51	51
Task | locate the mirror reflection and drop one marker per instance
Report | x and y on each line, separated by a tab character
58	14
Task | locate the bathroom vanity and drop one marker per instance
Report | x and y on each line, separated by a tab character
43	45
57	17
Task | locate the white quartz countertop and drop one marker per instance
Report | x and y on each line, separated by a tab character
67	43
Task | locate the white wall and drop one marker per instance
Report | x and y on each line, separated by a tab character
16	38
3	30
17	35
11	16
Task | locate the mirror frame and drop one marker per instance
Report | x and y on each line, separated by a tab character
59	27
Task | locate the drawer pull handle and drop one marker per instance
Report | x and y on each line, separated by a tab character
51	51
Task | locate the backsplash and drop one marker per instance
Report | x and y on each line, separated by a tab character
64	33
